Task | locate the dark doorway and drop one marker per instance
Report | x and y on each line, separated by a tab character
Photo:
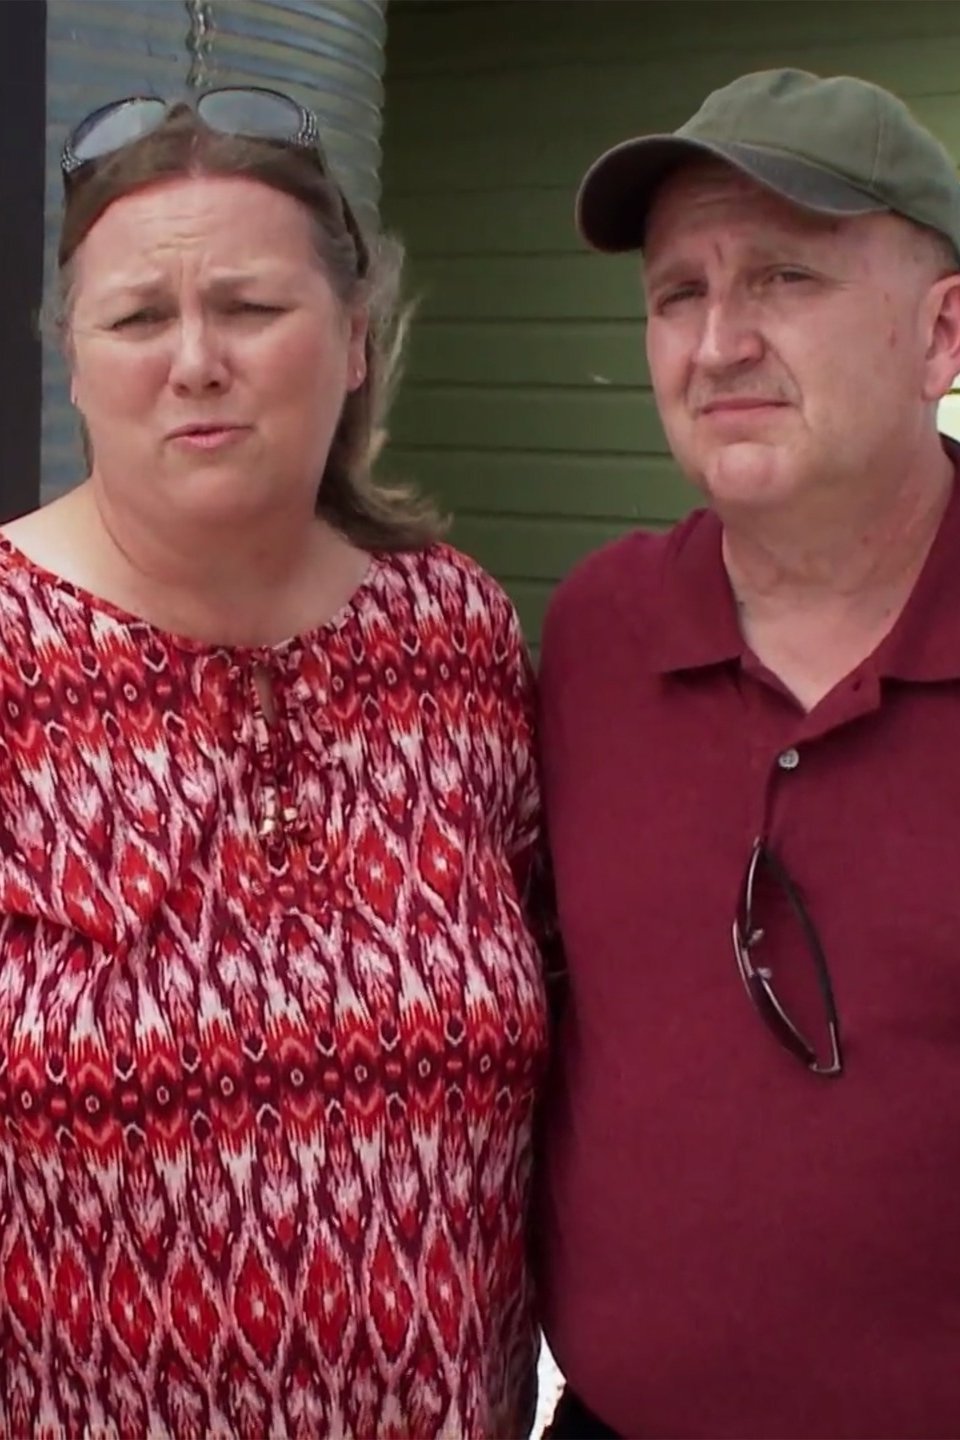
23	33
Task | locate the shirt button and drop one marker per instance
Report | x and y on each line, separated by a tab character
789	759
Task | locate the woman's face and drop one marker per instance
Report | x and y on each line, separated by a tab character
210	356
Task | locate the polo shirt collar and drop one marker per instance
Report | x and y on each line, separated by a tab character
924	644
698	625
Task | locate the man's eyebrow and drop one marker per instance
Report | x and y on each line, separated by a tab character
668	273
779	251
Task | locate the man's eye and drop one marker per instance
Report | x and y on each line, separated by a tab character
789	275
671	298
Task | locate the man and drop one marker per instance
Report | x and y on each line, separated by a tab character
751	730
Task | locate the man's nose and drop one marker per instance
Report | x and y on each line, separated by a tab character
730	337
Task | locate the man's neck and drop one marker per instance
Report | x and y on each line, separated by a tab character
839	554
816	599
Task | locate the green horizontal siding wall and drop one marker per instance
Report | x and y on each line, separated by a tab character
526	406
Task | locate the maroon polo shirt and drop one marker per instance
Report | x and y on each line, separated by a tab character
732	1246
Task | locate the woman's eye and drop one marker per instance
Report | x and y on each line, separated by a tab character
138	318
252	307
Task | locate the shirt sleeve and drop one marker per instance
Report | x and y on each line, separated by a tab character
523	813
523	821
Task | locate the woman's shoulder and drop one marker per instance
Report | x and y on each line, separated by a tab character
448	580
21	604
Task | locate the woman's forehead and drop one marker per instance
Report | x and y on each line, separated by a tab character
232	217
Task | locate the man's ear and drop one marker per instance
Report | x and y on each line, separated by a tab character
943	337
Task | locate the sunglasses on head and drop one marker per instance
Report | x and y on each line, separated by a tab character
249	111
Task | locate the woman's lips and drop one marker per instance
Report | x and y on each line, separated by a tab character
208	437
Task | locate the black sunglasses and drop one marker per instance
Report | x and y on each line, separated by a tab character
758	979
249	111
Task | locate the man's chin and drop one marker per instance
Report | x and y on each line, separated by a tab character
746	472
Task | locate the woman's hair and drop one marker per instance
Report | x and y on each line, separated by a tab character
360	270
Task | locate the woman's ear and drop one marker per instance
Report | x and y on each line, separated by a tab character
357	349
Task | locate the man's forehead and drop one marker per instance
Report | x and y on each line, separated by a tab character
703	190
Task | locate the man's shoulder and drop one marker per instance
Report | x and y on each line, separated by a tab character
631	557
617	581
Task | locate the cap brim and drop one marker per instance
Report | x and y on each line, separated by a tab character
616	193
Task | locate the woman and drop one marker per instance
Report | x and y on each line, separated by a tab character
271	1018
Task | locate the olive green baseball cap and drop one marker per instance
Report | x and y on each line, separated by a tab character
840	146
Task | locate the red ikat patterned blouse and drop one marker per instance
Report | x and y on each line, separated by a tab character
271	1019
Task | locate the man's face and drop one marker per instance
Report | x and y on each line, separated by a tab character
787	350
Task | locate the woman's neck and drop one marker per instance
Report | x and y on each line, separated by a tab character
244	585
